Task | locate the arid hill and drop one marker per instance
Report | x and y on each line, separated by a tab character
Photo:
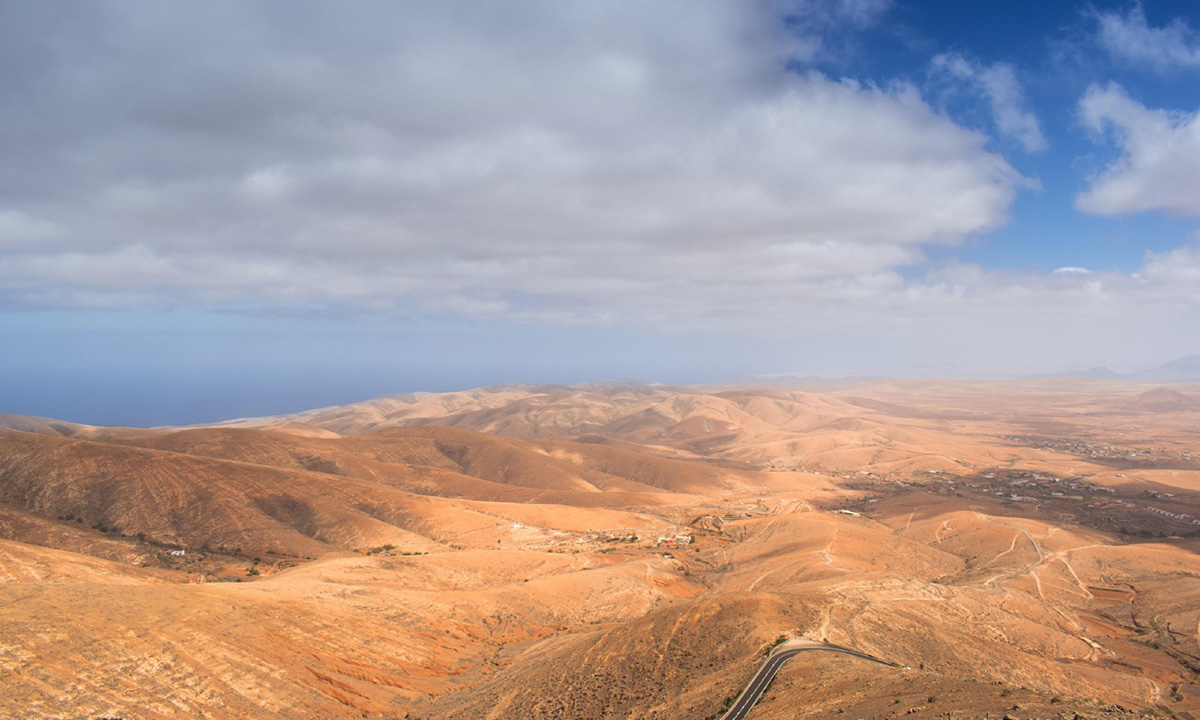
282	495
1163	400
765	429
613	551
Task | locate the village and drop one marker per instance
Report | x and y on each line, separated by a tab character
1136	512
1109	454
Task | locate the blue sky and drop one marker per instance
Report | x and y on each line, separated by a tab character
243	208
1055	50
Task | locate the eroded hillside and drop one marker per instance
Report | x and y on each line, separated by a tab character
612	552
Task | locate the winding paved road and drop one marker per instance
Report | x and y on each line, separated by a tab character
783	653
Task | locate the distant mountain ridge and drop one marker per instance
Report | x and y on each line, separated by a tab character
1184	369
1095	373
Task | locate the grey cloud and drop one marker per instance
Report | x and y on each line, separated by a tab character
560	162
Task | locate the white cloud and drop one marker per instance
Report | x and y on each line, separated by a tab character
553	161
998	85
613	163
618	163
1046	321
1178	269
1130	38
269	183
1159	166
863	12
825	29
20	229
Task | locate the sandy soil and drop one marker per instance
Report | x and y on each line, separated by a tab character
1026	549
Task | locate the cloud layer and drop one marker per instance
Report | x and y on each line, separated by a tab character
618	162
568	161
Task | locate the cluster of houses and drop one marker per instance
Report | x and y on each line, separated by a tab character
1081	448
673	540
1181	517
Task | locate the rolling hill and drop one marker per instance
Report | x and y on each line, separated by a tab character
612	551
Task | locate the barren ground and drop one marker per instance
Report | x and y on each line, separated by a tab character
1026	549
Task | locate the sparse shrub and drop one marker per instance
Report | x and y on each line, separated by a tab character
931	699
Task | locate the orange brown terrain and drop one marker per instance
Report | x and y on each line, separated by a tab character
1022	549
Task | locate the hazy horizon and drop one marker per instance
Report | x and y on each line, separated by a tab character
168	402
248	208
